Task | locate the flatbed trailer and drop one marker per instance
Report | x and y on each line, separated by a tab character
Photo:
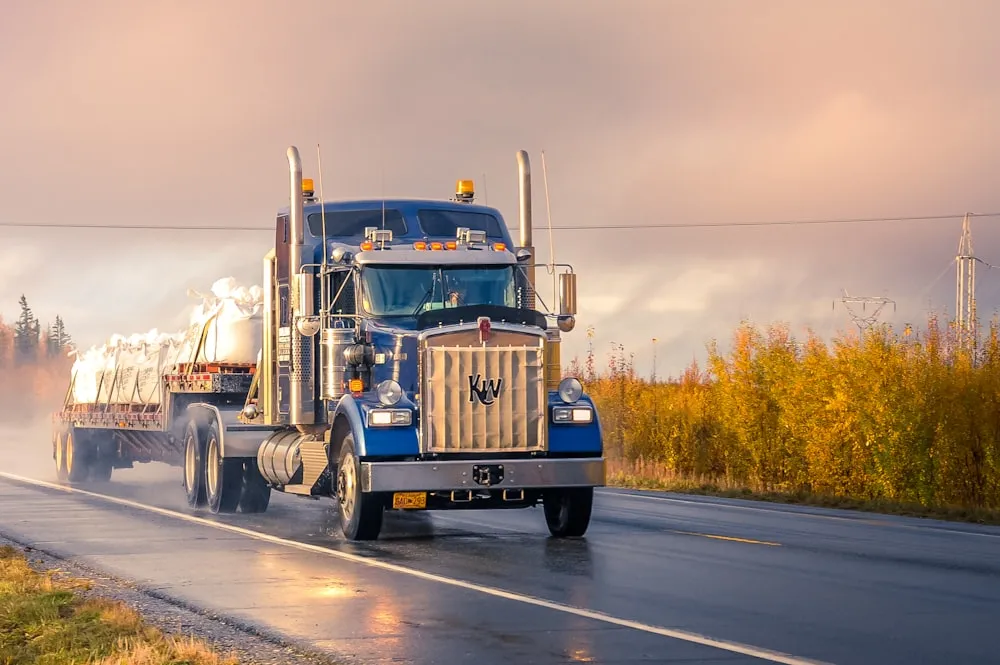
103	436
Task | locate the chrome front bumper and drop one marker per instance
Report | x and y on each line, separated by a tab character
460	475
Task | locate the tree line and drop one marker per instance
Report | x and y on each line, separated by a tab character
912	417
34	365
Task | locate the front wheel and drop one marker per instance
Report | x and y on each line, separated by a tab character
567	510
360	513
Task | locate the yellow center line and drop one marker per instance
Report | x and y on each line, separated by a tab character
732	538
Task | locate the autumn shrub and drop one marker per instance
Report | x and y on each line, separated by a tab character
910	418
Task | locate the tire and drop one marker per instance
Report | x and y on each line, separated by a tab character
194	465
256	494
360	512
59	455
223	476
101	470
567	511
102	462
77	456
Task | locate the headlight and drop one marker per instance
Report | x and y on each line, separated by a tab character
389	417
572	414
389	392
570	390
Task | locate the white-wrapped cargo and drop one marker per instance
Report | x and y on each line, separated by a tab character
123	390
87	370
231	323
106	371
132	368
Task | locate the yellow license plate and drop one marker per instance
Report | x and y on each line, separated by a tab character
409	500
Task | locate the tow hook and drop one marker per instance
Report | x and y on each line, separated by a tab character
487	474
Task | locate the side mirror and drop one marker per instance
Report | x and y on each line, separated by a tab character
567	294
523	255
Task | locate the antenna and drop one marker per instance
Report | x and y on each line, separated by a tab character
322	215
548	215
382	172
322	199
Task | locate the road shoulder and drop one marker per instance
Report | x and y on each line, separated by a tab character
226	636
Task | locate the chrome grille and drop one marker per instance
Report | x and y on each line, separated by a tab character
483	398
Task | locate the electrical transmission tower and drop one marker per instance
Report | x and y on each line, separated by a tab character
965	287
865	319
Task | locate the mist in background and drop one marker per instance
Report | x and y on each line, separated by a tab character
648	112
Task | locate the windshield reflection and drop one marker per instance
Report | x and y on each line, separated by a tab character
410	291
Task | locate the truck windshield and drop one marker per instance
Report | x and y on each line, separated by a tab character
410	290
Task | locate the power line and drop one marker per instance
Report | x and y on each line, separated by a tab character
574	227
141	227
791	222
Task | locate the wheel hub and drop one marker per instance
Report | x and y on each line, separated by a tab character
213	467
189	463
346	482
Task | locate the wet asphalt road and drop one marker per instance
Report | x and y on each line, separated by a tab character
832	586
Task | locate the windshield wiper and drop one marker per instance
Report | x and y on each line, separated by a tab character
423	301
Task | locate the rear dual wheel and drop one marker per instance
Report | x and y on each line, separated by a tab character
81	455
222	484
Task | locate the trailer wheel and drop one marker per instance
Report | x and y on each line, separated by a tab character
102	462
256	493
101	469
77	457
223	476
567	510
360	512
59	455
194	466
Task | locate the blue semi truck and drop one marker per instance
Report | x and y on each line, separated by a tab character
405	363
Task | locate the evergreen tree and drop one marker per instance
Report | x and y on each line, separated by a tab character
27	334
57	340
65	341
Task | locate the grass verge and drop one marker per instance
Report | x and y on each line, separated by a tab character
646	476
44	620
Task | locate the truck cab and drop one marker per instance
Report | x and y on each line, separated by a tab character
406	367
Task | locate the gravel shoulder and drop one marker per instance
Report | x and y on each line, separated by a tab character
228	637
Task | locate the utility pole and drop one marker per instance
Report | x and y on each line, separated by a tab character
865	319
965	287
653	377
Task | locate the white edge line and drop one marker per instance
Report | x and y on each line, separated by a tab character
735	647
862	516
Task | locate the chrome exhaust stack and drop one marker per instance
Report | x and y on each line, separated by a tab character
301	393
524	219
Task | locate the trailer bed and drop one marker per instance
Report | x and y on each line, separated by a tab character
148	432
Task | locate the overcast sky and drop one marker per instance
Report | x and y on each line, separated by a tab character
648	112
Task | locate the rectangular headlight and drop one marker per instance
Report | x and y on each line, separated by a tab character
572	414
389	417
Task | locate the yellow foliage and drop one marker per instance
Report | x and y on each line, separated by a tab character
909	418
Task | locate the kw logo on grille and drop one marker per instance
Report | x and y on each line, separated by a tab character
485	390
